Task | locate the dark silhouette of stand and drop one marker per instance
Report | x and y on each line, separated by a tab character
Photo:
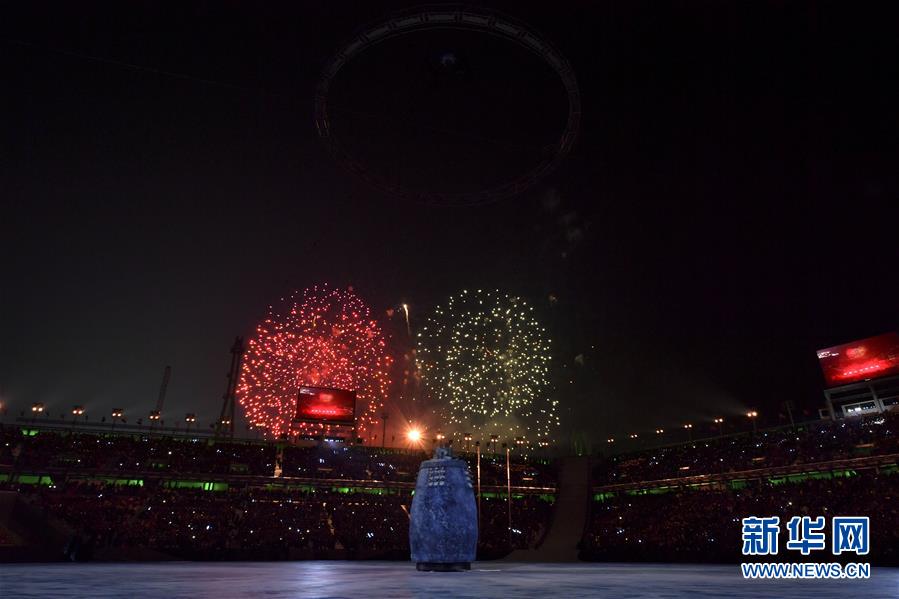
560	544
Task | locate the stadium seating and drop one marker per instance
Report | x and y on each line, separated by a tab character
686	502
202	499
809	443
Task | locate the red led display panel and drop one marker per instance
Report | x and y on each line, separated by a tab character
324	404
869	358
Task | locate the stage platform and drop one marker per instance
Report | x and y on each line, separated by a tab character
364	580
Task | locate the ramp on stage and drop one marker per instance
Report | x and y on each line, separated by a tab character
569	516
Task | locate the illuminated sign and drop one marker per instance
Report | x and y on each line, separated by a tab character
869	358
326	405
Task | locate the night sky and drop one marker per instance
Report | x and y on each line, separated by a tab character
730	205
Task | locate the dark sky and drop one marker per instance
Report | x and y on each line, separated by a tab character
729	207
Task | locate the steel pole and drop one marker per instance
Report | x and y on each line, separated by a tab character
509	491
478	447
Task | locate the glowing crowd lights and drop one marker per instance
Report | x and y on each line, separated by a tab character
321	337
485	358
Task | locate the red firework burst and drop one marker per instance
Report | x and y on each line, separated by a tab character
321	337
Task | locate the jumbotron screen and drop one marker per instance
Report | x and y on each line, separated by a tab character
869	358
330	405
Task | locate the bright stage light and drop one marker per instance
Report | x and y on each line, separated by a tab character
414	435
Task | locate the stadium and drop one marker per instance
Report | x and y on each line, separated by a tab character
118	492
478	300
157	495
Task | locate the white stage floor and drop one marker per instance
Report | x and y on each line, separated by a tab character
363	580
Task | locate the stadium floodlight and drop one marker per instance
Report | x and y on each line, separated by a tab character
117	414
753	415
720	423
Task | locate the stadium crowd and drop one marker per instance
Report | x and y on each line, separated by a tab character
136	453
129	453
339	501
812	442
128	492
371	463
259	523
688	525
702	523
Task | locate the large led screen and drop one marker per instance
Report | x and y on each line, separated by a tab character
869	358
329	405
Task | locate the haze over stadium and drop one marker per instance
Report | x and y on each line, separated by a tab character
632	262
652	289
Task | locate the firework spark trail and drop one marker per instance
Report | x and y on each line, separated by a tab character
485	359
318	337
